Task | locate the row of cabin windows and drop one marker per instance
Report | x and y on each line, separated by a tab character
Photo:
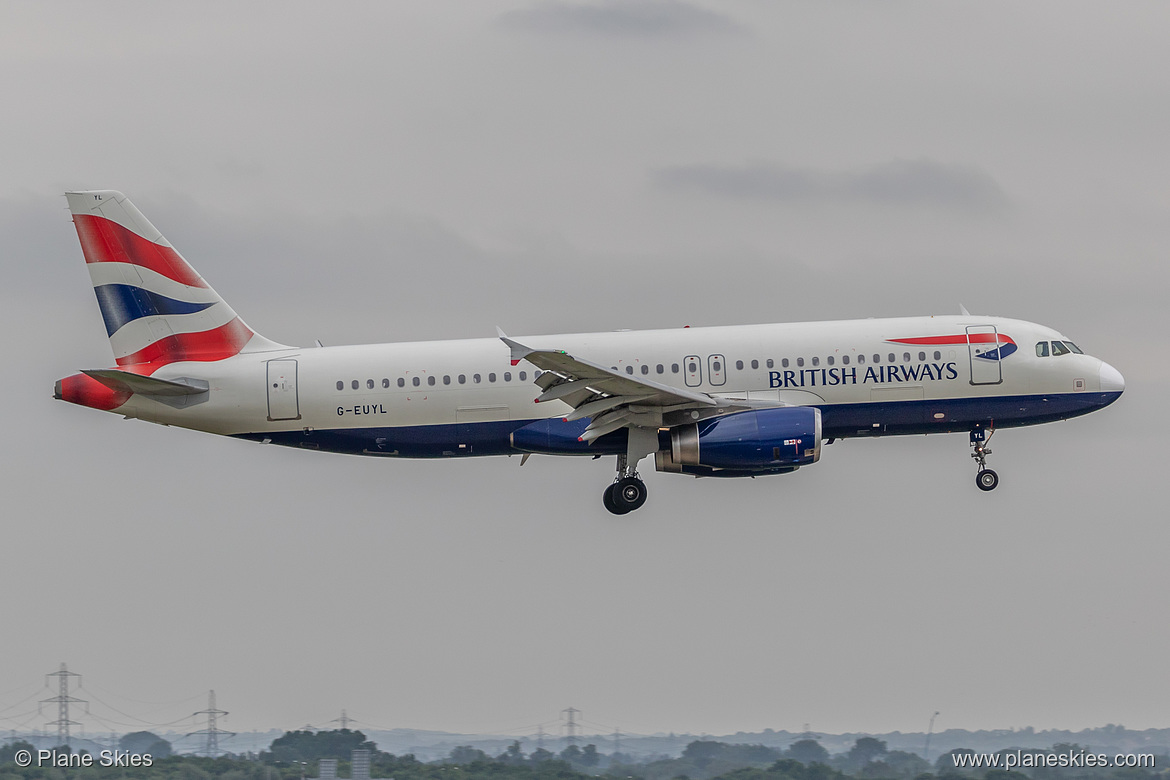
674	368
1058	348
784	363
432	380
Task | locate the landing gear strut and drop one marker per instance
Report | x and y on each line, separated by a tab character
628	491
986	479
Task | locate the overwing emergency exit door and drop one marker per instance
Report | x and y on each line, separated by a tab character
716	370
282	390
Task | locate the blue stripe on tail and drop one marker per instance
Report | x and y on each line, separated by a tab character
123	303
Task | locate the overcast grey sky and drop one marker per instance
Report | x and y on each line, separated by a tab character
391	171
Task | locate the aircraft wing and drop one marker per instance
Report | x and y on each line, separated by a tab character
611	399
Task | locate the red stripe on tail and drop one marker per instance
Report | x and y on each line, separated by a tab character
103	241
217	344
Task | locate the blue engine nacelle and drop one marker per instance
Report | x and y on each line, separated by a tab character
745	444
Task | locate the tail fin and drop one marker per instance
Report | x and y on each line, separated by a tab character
156	308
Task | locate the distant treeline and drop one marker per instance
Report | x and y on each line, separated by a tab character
296	755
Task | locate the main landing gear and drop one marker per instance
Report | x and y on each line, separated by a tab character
628	491
986	479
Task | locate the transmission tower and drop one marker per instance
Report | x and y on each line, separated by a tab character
617	741
540	737
571	724
63	700
212	732
343	720
929	731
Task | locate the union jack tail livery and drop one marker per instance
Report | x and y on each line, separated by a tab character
156	308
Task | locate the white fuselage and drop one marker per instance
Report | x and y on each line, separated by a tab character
864	376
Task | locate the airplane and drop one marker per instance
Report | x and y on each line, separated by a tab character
728	401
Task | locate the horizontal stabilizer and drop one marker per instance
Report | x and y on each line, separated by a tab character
146	385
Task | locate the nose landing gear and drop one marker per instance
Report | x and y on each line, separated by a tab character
986	479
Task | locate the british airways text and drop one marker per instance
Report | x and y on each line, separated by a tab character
877	375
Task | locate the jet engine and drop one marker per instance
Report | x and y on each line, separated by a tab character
745	444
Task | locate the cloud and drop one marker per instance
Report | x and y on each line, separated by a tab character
642	18
898	183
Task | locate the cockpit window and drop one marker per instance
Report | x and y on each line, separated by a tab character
1073	347
1041	349
1058	348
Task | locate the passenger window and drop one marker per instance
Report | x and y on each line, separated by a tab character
463	379
861	358
739	365
717	366
1058	348
755	364
830	358
475	378
354	384
1041	349
816	361
341	385
369	384
784	363
645	369
845	360
1073	347
891	357
877	358
922	356
415	381
401	382
800	362
770	364
905	357
492	377
660	368
523	376
385	383
692	367
431	380
937	355
446	379
674	368
507	376
629	369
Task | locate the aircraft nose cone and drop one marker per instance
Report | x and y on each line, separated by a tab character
1111	379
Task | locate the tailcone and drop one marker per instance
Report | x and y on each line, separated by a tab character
86	391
